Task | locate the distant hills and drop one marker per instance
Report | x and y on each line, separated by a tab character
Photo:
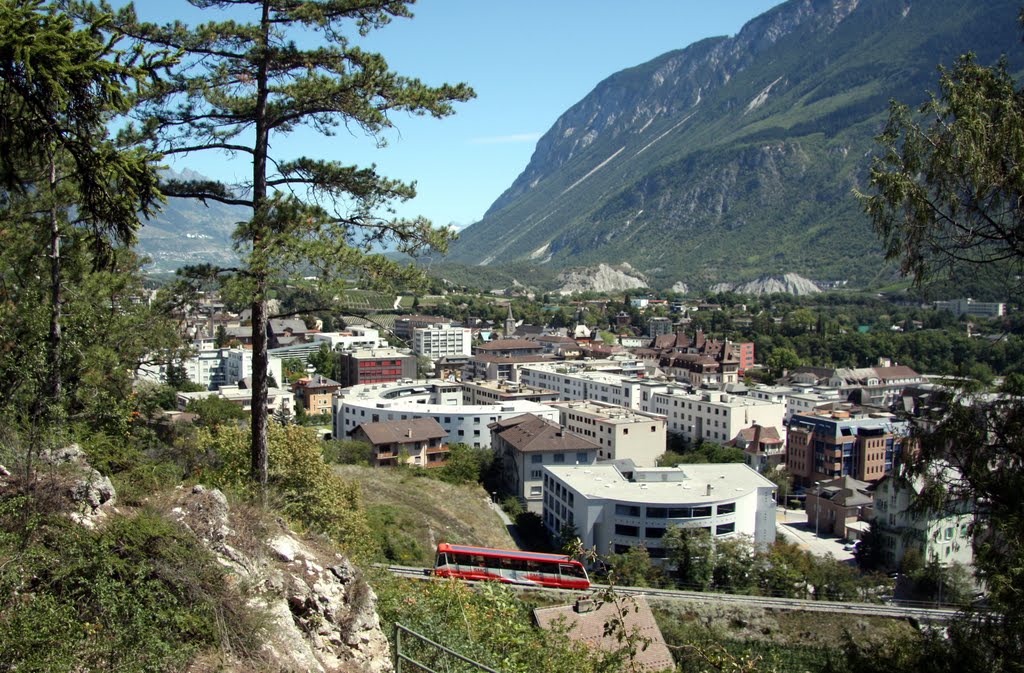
187	231
736	157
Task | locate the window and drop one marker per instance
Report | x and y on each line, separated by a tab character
656	512
701	511
625	431
462	433
727	508
536	459
558	458
655	533
629	531
535	491
725	529
627	510
535	474
581	457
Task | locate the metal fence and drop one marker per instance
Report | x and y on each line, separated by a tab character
415	652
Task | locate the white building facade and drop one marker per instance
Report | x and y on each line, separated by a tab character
618	431
440	400
442	340
612	513
714	416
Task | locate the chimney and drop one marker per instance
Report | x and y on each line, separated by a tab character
709	490
408	433
584	605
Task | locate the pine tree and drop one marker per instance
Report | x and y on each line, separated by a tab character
242	85
63	180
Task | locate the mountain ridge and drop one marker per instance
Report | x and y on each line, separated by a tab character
735	157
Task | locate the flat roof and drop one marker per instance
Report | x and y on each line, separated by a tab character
684	484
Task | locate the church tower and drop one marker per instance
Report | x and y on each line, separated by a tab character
510	323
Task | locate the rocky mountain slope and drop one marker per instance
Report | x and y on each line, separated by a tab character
736	157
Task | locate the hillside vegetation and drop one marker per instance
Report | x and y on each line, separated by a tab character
736	157
411	513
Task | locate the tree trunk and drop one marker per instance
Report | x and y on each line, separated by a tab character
258	449
54	340
260	365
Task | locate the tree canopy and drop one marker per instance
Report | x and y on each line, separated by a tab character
241	85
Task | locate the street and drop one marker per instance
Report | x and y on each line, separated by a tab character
792	524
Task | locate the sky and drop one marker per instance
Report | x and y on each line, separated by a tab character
528	61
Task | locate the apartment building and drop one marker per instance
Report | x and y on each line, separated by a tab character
442	340
376	366
619	432
523	445
613	512
439	400
853	441
942	536
713	416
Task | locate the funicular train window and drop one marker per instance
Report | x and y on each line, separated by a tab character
442	560
570	570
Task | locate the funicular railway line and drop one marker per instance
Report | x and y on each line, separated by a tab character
920	613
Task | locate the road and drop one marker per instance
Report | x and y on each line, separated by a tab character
793	525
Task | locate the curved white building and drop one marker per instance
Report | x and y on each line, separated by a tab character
440	400
613	511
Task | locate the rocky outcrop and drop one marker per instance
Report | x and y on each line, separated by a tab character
320	611
603	278
92	493
790	283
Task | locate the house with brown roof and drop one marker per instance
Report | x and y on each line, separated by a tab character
524	444
315	394
586	621
420	440
833	505
763	447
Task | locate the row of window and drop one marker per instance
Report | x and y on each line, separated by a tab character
693	512
658	533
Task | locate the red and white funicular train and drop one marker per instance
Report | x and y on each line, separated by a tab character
513	567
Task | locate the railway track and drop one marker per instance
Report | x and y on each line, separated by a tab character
926	614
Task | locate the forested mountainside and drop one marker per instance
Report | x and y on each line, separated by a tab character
737	157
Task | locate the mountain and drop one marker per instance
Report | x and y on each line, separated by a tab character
736	157
187	231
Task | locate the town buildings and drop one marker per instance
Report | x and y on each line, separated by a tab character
711	415
612	511
901	524
439	400
832	506
619	432
848	440
385	365
442	339
523	445
418	441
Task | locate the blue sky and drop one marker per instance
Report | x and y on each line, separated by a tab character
528	60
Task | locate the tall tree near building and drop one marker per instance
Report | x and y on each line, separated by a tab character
64	182
947	197
240	86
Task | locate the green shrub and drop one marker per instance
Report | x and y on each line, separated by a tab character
139	595
311	494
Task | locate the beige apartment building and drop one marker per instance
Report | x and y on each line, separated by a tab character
619	432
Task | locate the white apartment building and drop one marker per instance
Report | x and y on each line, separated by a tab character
440	400
982	309
278	399
213	368
714	416
945	537
807	401
442	340
609	381
618	431
613	513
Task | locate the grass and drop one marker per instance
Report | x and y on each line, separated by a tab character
786	640
410	514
